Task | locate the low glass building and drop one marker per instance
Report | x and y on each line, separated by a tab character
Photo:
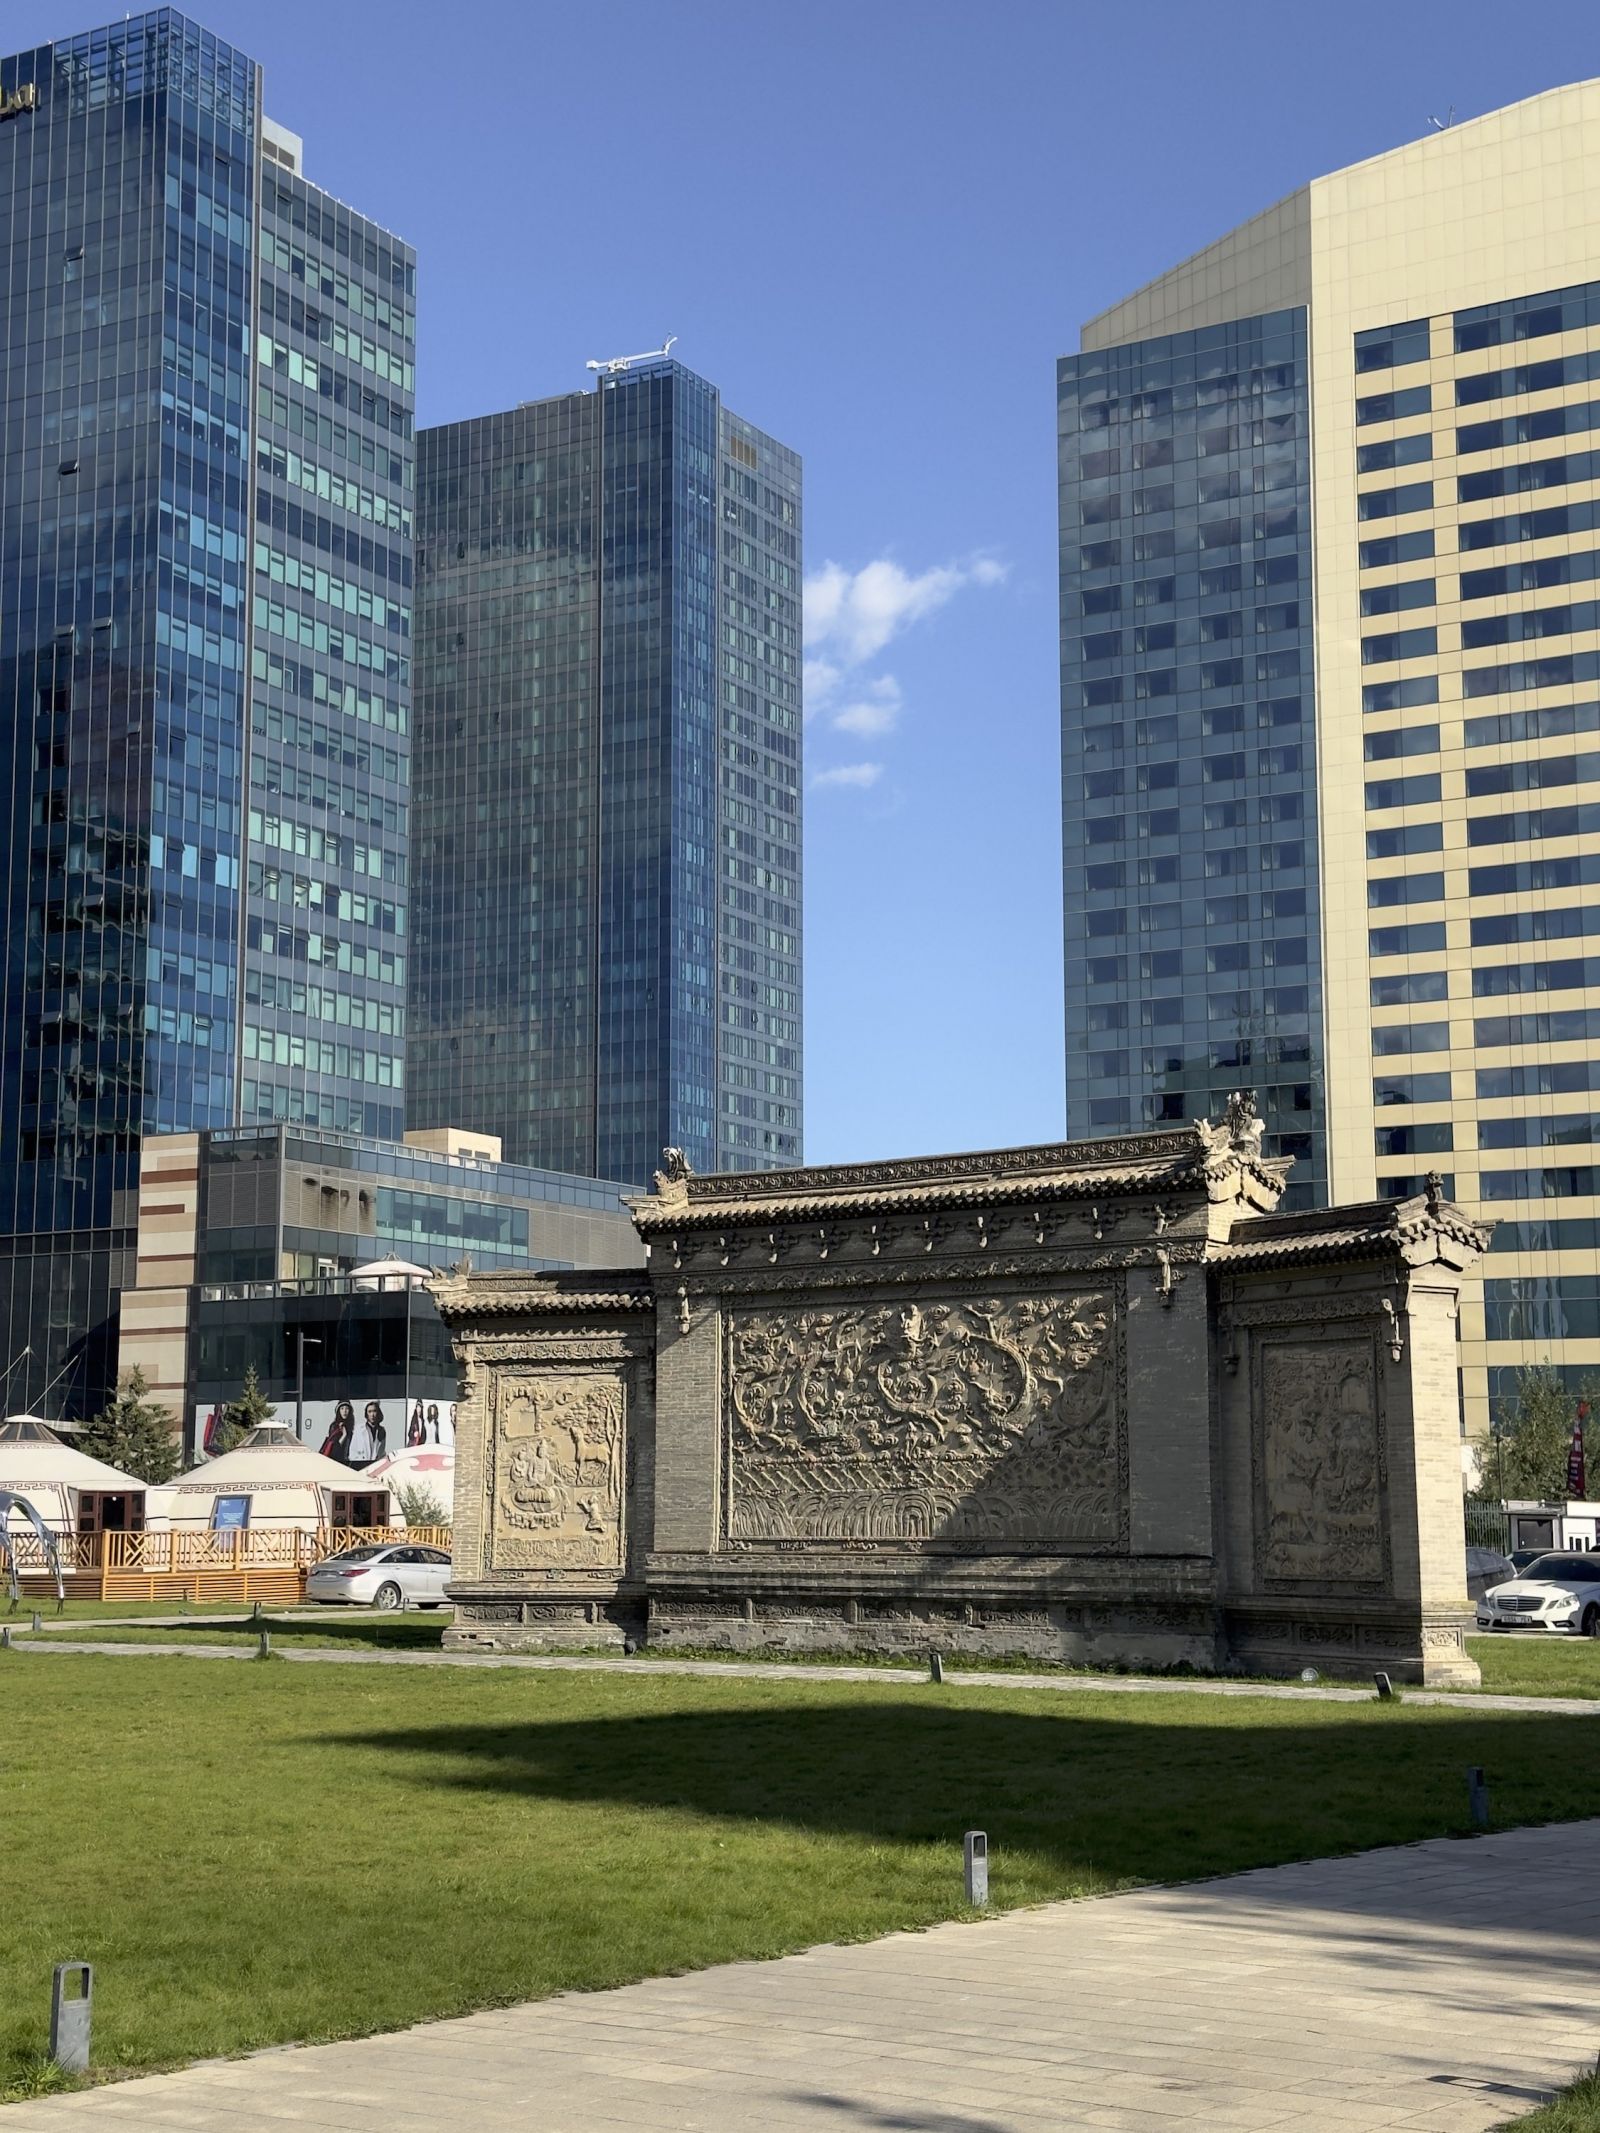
254	1240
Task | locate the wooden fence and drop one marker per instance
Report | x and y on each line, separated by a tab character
253	1563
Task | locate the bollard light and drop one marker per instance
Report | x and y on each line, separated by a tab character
38	1621
264	1645
1478	1797
936	1666
975	1847
1385	1688
69	2016
5	1637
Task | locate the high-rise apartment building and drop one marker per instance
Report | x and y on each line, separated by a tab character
606	853
205	556
1328	518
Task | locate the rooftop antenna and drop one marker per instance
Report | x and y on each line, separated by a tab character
614	366
1441	125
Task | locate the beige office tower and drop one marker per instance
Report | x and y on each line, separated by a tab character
1331	700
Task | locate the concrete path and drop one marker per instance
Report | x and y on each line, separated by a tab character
1444	1986
878	1676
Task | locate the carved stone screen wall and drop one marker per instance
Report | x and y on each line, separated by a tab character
1094	1401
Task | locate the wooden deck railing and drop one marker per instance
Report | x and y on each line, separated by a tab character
259	1562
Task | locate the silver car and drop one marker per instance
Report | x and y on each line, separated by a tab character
392	1574
1559	1594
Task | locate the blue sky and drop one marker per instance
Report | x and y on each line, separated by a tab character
874	225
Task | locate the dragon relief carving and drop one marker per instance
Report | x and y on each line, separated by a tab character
559	1472
1321	1462
941	1419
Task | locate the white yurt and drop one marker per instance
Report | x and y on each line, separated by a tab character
71	1492
431	1467
270	1479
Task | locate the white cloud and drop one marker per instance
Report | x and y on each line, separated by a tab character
819	679
874	710
853	614
850	616
856	774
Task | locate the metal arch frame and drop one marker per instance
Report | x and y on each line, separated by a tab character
9	1502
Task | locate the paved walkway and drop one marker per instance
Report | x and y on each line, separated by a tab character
878	1676
1385	1991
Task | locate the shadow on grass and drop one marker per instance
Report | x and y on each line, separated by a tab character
408	1628
401	1631
1075	1799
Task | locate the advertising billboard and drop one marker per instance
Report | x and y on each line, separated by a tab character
355	1430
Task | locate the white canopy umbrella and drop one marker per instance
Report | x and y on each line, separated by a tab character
389	1273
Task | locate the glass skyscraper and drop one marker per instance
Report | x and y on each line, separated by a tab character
1328	516
606	858
1189	796
205	525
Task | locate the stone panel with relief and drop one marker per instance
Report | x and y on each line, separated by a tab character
1321	1462
558	1470
947	1420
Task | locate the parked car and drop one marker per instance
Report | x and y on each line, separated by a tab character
392	1575
1486	1567
1559	1594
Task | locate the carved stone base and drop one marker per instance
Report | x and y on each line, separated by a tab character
1067	1634
550	1623
1424	1651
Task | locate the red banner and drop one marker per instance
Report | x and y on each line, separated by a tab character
1577	1478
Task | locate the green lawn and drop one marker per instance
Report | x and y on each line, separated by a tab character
43	1604
327	1629
413	1630
1575	2110
254	1854
1512	1666
1516	1665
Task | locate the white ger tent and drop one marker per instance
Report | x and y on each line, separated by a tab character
71	1492
271	1479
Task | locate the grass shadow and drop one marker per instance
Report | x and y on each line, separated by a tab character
1156	1791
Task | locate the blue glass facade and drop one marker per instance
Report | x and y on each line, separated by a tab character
656	1063
131	196
606	865
1188	735
323	1023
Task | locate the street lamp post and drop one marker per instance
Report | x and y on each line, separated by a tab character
301	1344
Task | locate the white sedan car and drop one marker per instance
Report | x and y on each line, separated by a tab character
1559	1594
393	1574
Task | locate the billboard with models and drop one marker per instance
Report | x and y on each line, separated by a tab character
353	1430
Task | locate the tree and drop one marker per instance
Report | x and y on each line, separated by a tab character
420	1507
135	1434
240	1416
1532	1435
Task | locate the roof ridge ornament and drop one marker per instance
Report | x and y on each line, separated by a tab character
1240	1133
671	1181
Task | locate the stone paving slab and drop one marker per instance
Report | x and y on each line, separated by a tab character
896	1677
1438	1988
